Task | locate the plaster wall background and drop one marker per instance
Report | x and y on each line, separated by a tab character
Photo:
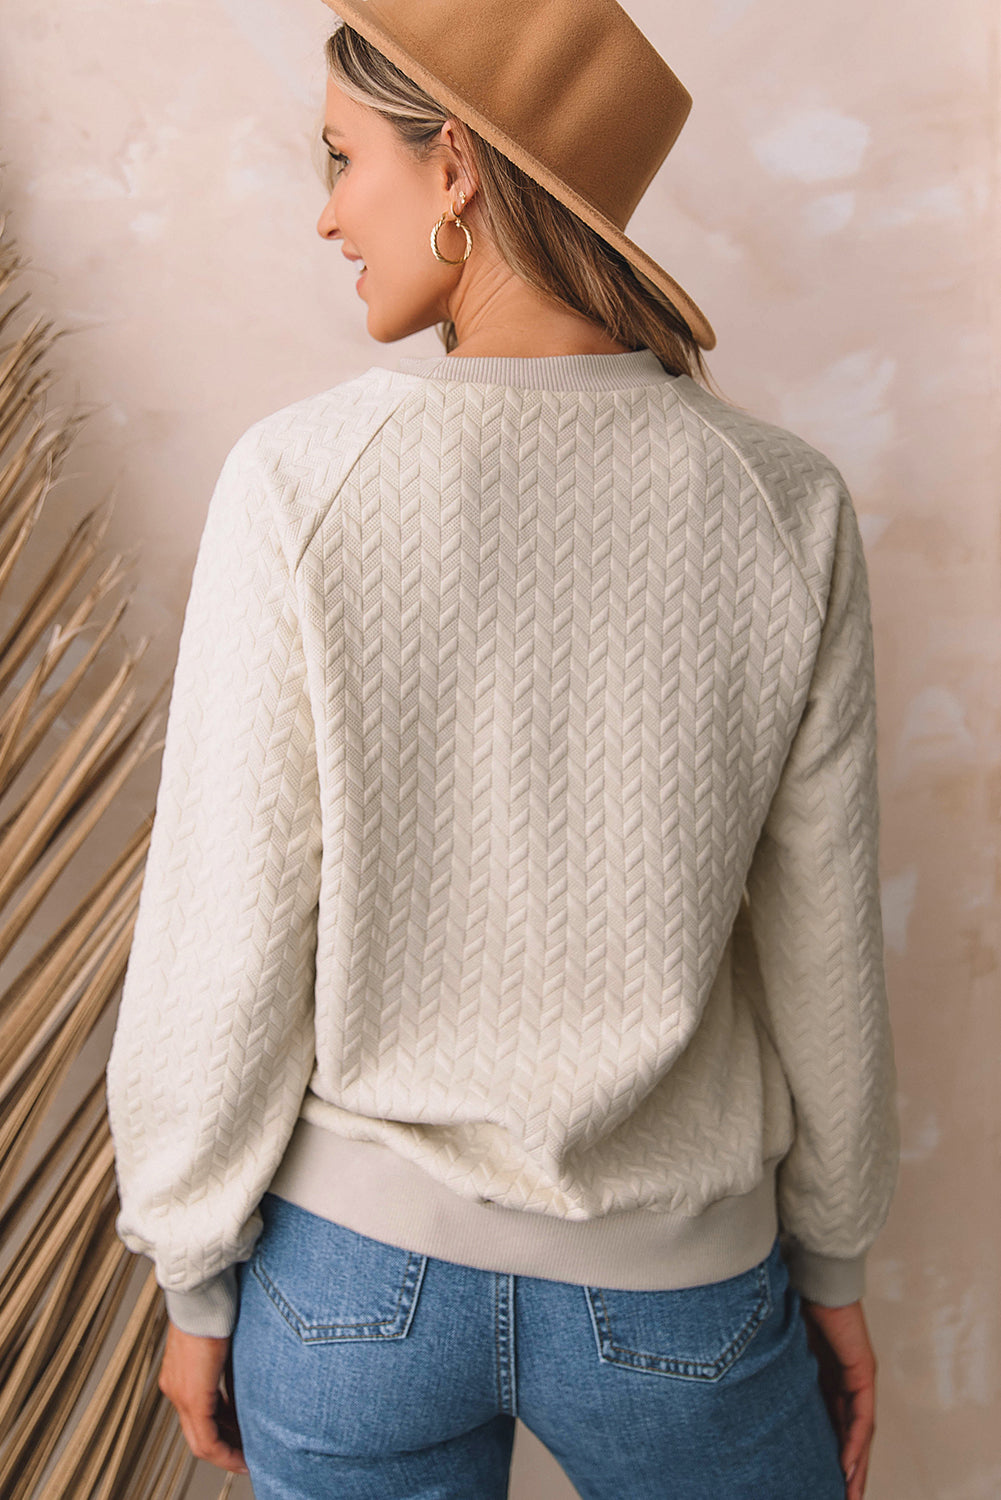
832	204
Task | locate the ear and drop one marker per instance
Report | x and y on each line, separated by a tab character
458	170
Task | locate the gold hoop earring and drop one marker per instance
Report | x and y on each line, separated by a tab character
457	221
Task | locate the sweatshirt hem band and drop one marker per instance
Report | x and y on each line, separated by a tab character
367	1187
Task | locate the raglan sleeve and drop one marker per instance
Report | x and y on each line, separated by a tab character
814	911
214	1040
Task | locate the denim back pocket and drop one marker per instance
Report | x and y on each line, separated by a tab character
693	1333
330	1283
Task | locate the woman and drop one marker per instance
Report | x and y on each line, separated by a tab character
505	1030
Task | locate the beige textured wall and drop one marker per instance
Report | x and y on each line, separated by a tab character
833	205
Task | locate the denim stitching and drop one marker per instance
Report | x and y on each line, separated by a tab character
504	1341
665	1364
385	1328
497	1350
512	1344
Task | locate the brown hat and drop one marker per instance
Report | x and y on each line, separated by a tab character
571	91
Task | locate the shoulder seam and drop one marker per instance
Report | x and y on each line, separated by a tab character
322	515
779	530
294	560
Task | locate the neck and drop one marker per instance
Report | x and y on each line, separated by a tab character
499	315
506	345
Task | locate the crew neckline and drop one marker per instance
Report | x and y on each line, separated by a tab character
561	372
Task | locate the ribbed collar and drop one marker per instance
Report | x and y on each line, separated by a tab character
554	372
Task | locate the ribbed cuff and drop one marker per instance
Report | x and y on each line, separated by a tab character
827	1279
208	1310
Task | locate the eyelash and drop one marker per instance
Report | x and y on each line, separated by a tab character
336	156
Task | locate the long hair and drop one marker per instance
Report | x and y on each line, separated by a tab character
543	242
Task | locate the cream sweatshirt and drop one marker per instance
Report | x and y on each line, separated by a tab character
512	893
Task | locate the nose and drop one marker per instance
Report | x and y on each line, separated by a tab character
326	224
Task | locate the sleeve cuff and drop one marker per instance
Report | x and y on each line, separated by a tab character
833	1281
208	1310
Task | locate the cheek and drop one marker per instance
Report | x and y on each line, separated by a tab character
400	235
407	210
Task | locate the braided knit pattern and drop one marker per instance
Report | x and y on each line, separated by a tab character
518	811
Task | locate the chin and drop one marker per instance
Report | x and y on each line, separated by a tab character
389	330
380	330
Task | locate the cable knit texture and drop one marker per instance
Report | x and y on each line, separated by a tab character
517	814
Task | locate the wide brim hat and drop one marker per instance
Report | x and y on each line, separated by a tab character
571	91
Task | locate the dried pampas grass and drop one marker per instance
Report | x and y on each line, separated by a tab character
82	1321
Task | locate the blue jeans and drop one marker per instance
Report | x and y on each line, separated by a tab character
366	1372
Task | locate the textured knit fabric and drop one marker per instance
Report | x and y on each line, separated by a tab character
516	844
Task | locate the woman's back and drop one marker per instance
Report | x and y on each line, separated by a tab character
496	674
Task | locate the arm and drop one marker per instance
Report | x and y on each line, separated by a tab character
814	913
214	1042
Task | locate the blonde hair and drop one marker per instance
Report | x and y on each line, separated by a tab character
542	241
